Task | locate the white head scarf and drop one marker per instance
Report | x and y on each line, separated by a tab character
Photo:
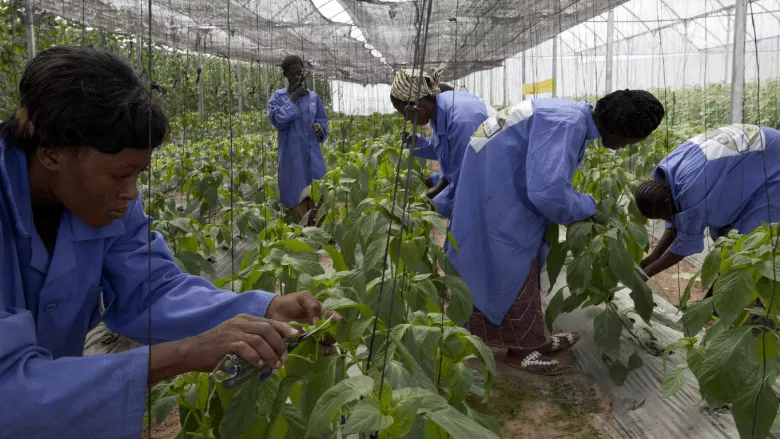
404	86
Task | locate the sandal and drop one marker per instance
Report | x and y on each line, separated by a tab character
562	341
537	363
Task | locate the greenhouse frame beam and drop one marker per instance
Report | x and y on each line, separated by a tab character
610	51
30	29
659	28
663	2
738	66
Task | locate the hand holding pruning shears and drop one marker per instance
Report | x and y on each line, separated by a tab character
318	130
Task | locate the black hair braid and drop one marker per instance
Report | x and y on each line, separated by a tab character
629	113
654	196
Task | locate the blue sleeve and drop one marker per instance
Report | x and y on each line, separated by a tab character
183	305
443	200
423	148
690	225
66	398
322	119
459	137
281	111
552	157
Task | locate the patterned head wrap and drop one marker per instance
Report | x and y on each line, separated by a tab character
404	86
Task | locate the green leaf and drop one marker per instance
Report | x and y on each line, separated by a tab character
688	288
579	272
618	373
397	376
577	234
555	260
696	316
639	234
461	302
162	407
634	361
375	254
770	269
344	303
769	292
334	398
338	259
486	355
404	414
673	382
554	308
768	346
622	265
755	408
733	291
459	426
710	268
459	380
242	411
295	423
608	327
294	245
489	422
182	223
727	366
367	416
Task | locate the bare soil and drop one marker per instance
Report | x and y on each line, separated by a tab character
168	429
672	282
567	406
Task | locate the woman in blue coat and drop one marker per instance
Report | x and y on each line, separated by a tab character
726	179
516	179
76	250
454	116
299	116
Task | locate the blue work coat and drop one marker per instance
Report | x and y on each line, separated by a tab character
300	156
49	303
458	115
718	180
512	184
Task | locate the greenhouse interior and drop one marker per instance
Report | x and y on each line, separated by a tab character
294	255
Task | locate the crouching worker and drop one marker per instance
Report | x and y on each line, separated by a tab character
76	249
516	179
726	179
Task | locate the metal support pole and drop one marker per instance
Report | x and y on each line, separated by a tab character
240	86
506	88
314	83
30	30
265	82
610	50
201	42
738	66
139	51
728	37
555	67
522	87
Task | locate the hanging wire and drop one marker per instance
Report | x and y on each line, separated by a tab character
231	153
769	219
148	207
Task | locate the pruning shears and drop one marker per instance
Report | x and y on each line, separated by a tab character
234	370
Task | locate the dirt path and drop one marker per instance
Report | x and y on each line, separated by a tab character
567	406
672	282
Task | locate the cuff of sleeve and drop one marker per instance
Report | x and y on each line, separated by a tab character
686	245
259	303
137	378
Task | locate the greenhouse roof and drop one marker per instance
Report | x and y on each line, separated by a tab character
353	40
364	40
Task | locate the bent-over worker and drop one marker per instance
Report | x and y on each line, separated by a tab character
516	179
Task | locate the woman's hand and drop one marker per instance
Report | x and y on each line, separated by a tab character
318	130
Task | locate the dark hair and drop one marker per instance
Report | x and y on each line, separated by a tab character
629	113
80	96
654	196
291	60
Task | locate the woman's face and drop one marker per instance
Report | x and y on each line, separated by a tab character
293	74
424	112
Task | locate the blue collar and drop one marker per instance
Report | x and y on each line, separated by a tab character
15	188
592	132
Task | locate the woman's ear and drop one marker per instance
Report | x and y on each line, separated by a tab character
50	158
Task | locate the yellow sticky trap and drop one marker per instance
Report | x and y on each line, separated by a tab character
546	86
